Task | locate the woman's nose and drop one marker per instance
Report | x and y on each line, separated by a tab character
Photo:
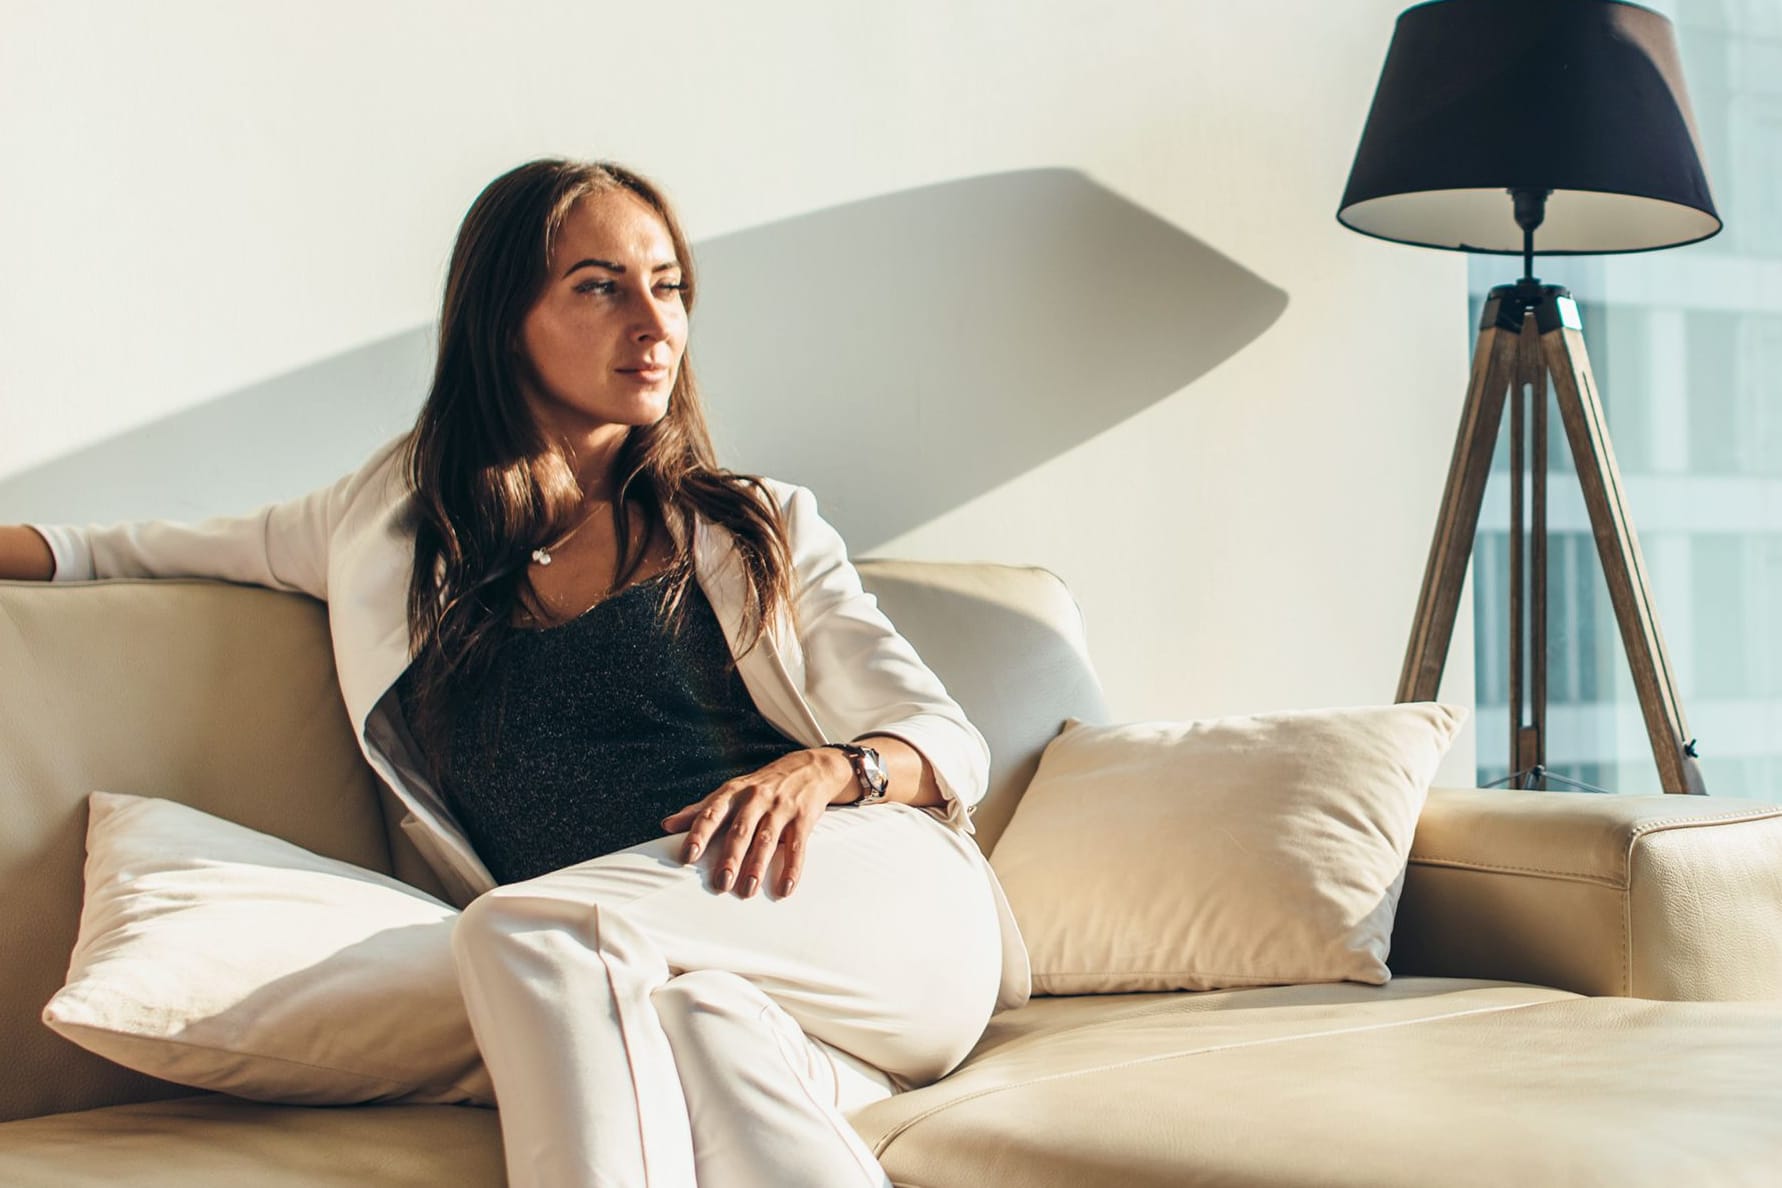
655	322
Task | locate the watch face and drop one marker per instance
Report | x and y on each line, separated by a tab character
874	768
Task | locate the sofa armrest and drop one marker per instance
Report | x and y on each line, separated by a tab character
1672	897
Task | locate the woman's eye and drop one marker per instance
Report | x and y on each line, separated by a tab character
673	286
596	286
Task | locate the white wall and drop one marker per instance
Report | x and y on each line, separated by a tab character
239	215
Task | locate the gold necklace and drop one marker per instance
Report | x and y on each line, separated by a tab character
542	556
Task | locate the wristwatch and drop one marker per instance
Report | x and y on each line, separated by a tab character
869	771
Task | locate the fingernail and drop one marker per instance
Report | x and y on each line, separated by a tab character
693	852
724	877
786	888
749	885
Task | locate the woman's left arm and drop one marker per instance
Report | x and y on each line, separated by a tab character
864	679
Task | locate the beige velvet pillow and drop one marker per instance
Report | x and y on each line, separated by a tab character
215	956
1244	851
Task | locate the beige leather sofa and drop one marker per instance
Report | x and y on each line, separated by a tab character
1587	990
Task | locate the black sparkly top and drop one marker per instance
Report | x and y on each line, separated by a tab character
586	734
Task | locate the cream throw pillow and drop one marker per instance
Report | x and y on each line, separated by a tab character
1245	851
215	956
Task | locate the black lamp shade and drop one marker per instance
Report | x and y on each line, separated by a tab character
1581	97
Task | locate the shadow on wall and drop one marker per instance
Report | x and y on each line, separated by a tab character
904	354
899	355
271	440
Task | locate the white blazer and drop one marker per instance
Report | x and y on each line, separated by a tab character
844	671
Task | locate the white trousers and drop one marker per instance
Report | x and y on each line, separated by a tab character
645	1031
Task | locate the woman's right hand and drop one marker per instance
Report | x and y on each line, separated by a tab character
24	555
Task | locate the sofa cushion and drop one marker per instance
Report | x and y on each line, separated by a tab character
223	958
220	1142
1422	1081
1242	851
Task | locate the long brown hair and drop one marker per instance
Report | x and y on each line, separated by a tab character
490	487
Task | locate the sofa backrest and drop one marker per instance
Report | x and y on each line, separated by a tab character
1008	643
224	697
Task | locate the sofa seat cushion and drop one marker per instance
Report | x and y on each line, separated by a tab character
1421	1081
211	1140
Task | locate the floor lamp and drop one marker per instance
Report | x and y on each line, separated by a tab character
1495	119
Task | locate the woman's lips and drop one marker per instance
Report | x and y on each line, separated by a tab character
645	375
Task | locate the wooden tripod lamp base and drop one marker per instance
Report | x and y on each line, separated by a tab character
1530	332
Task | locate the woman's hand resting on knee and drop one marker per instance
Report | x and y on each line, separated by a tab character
773	809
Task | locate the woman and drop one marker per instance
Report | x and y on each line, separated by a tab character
708	810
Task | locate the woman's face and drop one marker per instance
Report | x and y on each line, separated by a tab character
606	336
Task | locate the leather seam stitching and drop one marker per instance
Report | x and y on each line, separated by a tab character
1168	1004
1668	823
884	1144
1634	834
1502	868
1243	980
241	1053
